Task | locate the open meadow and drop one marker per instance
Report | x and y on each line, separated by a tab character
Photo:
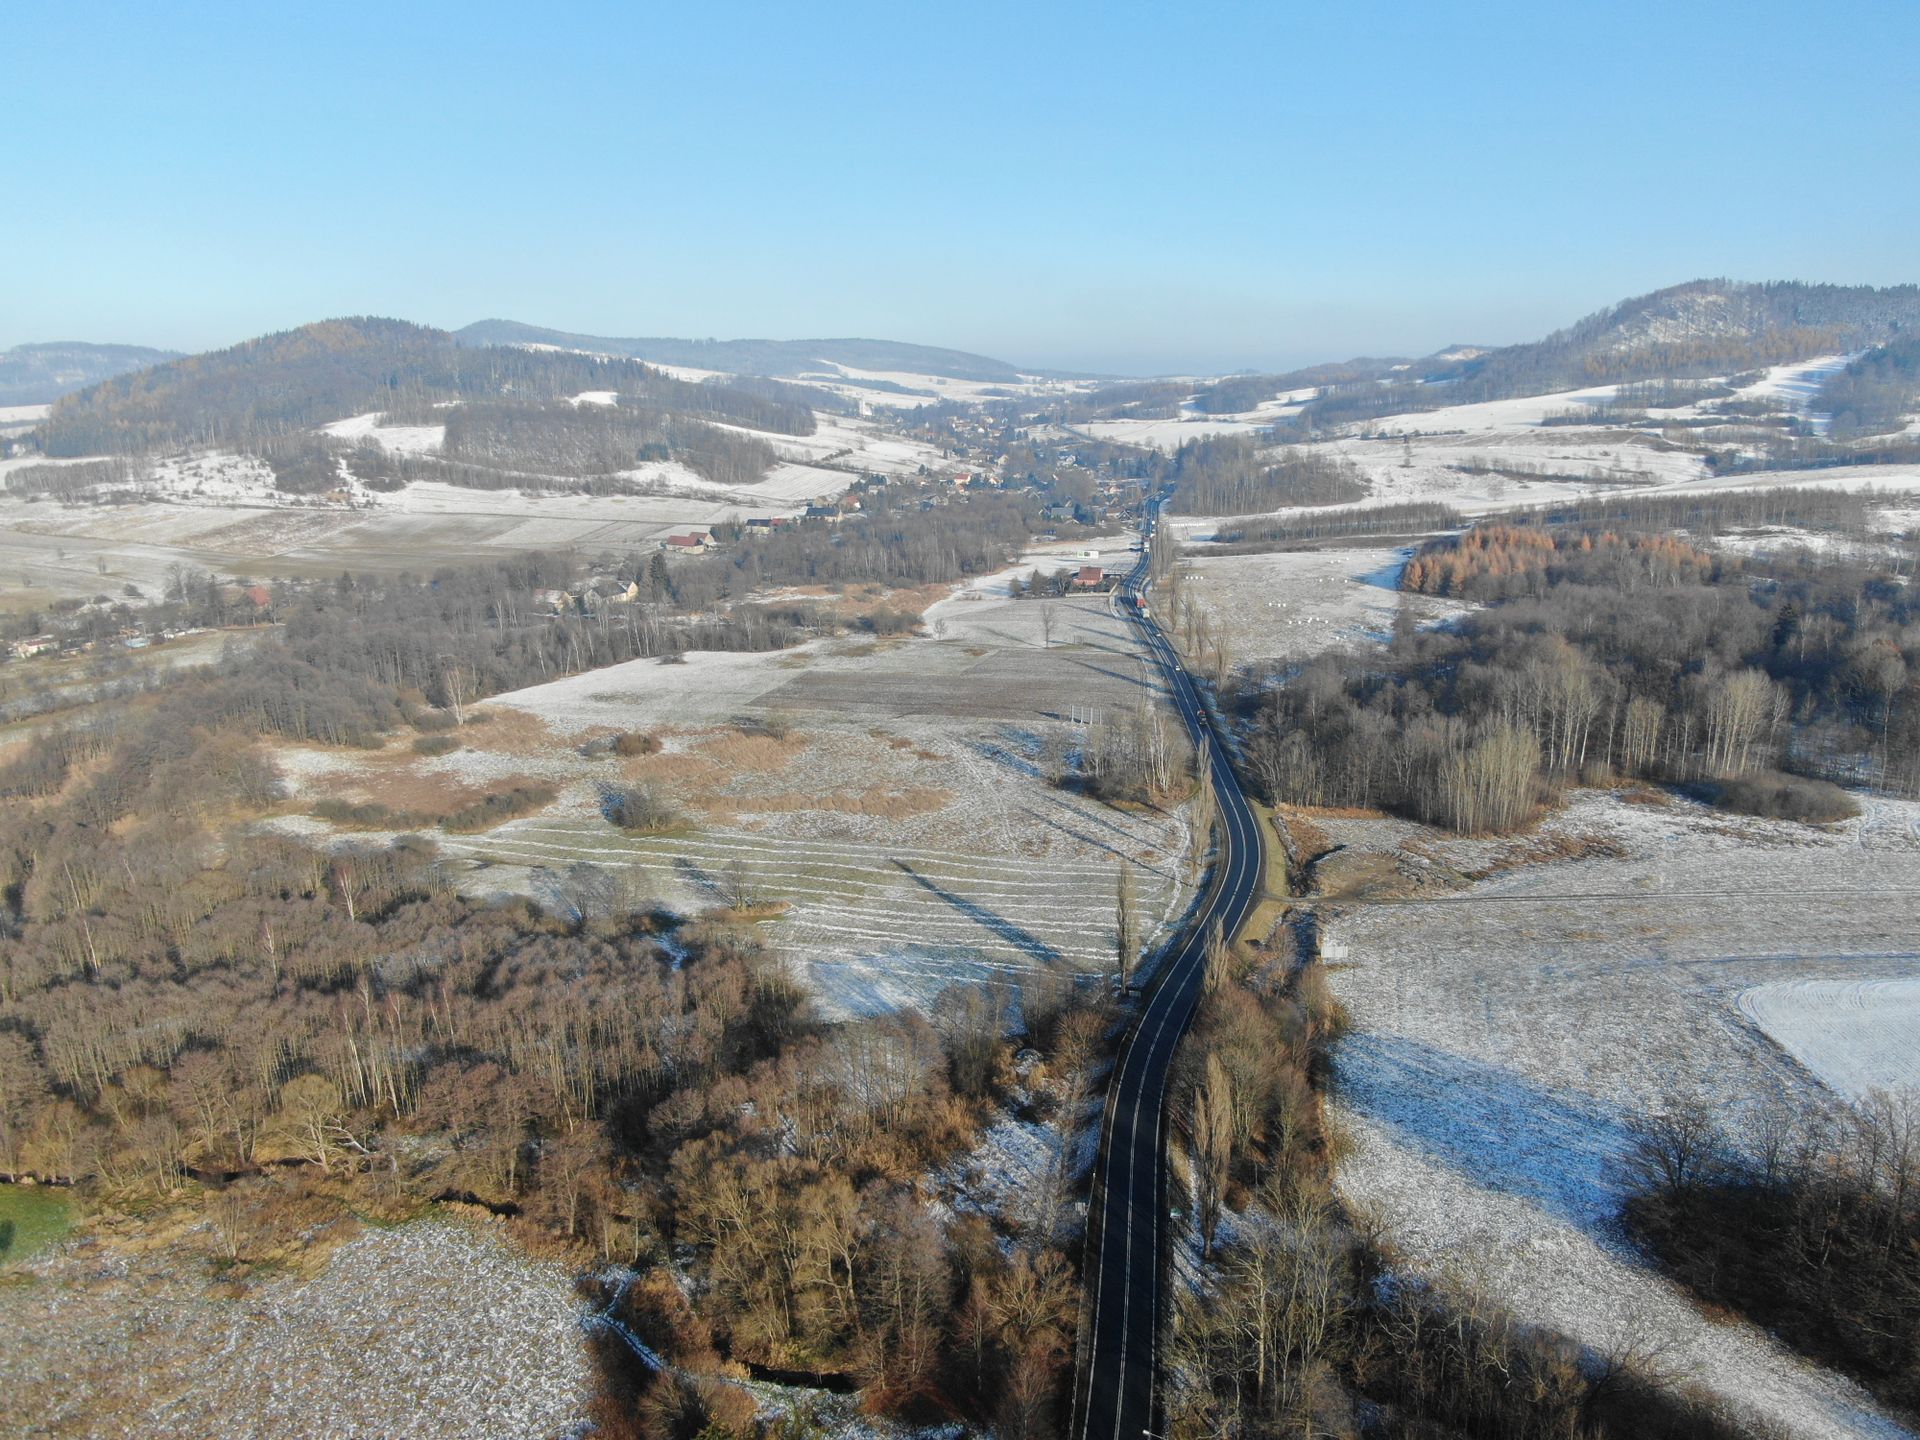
892	799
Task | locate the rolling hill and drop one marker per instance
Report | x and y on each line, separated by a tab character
297	379
38	374
1703	327
774	358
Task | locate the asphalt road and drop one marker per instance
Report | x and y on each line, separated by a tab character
1115	1392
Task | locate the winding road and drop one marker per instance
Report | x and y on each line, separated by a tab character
1115	1392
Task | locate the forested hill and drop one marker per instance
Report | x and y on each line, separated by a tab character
1708	324
754	357
276	385
1704	327
37	374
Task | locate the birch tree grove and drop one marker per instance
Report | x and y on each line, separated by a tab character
1742	714
1487	785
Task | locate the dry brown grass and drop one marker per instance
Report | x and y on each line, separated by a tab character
709	764
1304	839
420	798
900	742
508	731
1548	850
676	768
1645	795
747	914
879	802
747	754
403	789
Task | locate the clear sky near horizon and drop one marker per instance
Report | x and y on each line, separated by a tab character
1104	186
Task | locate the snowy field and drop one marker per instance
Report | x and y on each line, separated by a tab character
1289	605
905	818
881	924
1505	1032
431	1329
1854	1036
929	389
401	439
18	419
1170	435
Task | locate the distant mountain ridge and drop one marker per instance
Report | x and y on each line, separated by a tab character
1702	327
772	358
42	373
296	379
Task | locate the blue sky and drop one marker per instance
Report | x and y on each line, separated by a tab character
1106	186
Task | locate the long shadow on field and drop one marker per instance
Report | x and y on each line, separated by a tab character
1125	652
701	881
1130	855
1506	1133
1133	679
1021	939
1007	755
1080	835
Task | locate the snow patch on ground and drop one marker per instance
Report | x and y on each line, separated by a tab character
402	439
1857	1036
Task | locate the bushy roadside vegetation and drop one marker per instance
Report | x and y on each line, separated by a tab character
1811	1229
1305	1325
1600	653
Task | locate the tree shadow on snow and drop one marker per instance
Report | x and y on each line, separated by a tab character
1021	939
1387	577
1557	1148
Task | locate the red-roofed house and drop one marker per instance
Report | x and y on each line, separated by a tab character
1090	575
